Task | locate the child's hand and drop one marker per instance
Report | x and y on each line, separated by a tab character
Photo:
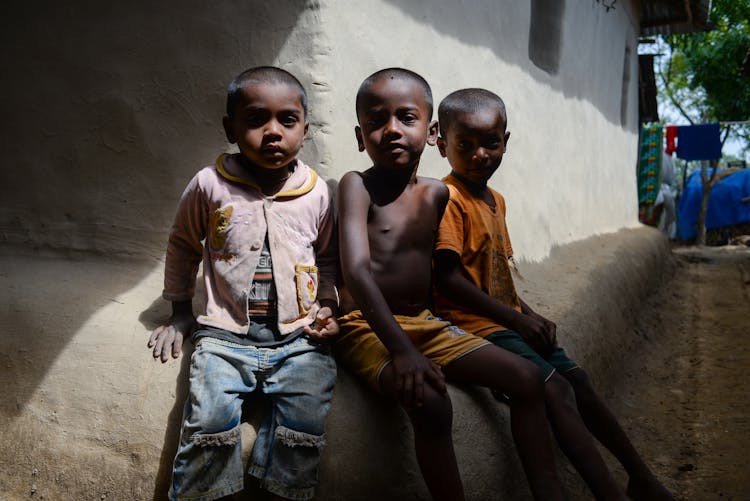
168	338
412	370
538	332
326	326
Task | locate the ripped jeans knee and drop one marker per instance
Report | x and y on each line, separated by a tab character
289	465
231	437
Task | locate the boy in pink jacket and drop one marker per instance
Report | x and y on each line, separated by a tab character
262	224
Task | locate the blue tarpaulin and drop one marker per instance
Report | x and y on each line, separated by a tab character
725	205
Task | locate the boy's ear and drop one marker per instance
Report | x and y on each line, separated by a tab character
441	146
304	136
507	137
227	123
432	133
360	142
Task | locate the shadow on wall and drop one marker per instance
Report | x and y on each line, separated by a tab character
109	108
532	36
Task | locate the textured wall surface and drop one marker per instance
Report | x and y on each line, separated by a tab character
110	108
86	412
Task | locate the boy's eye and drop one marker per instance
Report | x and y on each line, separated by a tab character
374	122
492	143
288	120
256	119
463	145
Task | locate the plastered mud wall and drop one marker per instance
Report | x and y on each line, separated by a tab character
87	413
108	110
110	107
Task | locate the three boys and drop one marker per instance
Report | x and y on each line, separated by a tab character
269	260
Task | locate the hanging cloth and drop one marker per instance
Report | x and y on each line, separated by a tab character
671	136
649	165
699	142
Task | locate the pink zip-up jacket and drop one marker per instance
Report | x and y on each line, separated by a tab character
223	217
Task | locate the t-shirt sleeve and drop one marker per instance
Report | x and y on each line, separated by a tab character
451	230
508	246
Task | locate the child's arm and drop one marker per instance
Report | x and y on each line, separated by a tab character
184	252
326	258
410	366
456	287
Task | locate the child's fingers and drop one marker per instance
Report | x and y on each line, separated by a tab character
158	341
553	333
177	346
164	344
154	335
408	390
437	379
166	347
418	389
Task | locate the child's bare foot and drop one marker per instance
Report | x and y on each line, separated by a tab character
648	489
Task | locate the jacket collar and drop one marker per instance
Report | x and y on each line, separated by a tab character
301	181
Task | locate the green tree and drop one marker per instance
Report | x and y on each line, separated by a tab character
705	77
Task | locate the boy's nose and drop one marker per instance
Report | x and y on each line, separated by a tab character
273	128
480	155
392	126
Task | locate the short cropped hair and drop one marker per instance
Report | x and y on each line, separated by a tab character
261	75
395	73
468	101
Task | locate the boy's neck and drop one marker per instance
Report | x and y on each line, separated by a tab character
397	176
270	181
477	188
386	185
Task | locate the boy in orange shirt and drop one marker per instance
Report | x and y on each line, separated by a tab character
473	257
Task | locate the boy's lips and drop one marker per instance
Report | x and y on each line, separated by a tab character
273	150
395	147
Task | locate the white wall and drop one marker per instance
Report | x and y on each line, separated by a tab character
110	108
570	167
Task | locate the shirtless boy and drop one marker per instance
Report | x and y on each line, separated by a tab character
388	222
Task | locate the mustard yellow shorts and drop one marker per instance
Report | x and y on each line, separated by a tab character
360	349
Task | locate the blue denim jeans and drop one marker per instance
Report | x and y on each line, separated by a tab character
297	376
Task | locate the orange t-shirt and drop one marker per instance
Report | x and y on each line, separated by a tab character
477	233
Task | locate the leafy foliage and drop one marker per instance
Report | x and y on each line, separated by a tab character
703	77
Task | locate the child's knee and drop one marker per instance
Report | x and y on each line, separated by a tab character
229	437
435	415
528	383
297	438
558	391
580	381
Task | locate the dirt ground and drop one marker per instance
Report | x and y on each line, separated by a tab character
684	399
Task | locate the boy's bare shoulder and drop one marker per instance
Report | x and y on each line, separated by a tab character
435	188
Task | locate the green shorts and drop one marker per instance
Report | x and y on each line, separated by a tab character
513	342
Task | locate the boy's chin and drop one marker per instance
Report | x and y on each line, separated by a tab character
266	163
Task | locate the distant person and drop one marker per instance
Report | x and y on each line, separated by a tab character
388	219
473	260
269	265
664	204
